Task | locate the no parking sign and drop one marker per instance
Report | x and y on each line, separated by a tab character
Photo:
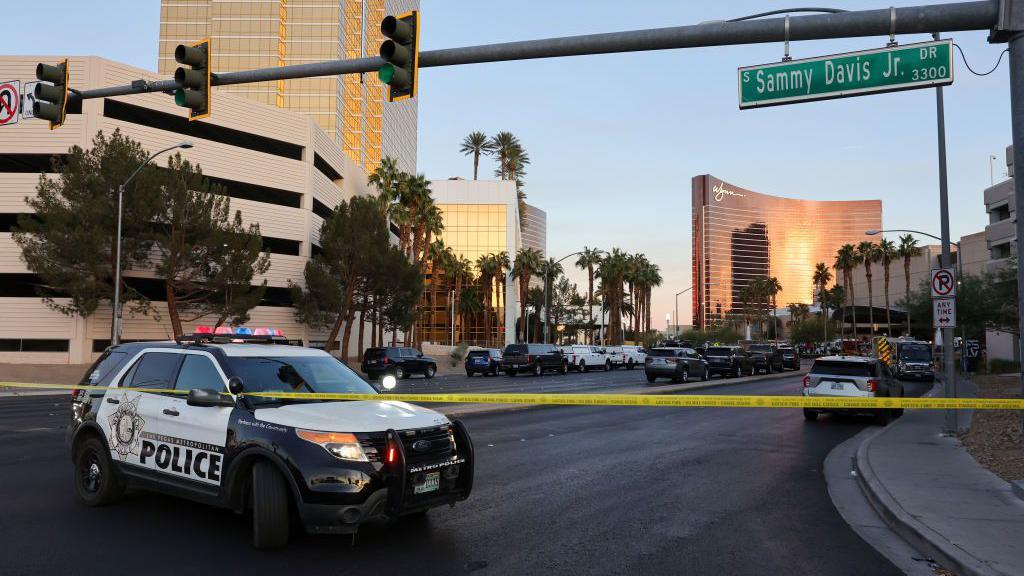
10	101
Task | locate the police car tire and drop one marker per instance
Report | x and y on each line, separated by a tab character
111	486
269	507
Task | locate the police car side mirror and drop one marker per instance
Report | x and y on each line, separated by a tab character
203	397
235	385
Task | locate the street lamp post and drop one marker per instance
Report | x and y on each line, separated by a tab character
677	307
947	333
115	325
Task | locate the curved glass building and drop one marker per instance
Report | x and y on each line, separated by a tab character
739	235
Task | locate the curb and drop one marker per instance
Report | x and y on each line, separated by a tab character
468	409
913	531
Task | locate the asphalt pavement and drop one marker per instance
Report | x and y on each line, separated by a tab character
559	490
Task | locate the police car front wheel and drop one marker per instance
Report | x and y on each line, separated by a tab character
96	482
269	507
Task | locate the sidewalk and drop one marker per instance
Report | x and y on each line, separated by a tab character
933	494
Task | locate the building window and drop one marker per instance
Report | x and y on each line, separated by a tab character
999	213
33	345
1000	251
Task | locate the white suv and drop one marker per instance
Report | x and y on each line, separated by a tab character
582	357
852	376
628	356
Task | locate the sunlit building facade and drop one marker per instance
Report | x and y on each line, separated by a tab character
740	235
480	217
248	34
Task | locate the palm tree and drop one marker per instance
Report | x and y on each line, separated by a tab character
441	257
550	271
868	252
772	287
822	276
470	306
459	274
433	225
385	177
588	259
502	144
651	278
846	259
502	268
908	249
486	266
476	143
612	270
886	254
526	266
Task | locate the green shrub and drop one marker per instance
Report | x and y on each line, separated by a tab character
458	354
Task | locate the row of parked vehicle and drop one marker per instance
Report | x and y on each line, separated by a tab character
680	363
537	359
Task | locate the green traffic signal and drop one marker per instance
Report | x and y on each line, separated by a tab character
193	90
400	53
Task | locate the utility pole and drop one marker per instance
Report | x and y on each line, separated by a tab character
949	370
1017	122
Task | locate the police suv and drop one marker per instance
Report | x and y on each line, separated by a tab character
333	465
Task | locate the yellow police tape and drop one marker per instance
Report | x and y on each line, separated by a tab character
683	401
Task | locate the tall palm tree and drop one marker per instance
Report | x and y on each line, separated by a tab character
385	178
550	271
907	250
486	265
433	225
651	279
476	144
612	270
868	253
460	274
886	254
846	259
502	267
502	144
441	257
525	267
822	276
589	258
470	306
772	287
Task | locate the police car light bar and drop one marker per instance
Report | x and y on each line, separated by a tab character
238	335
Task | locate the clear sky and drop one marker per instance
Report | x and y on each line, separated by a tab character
615	139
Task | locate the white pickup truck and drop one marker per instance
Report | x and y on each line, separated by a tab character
582	358
628	356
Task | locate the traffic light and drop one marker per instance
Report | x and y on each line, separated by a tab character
193	82
401	54
51	100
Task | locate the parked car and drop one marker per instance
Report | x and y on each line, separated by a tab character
401	362
765	358
729	361
852	377
628	356
533	358
678	364
483	362
582	357
790	357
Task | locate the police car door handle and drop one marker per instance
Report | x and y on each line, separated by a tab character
113	400
171	411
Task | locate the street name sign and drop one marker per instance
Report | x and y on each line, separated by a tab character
887	69
944	313
943	283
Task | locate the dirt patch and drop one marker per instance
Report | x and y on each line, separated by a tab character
995	438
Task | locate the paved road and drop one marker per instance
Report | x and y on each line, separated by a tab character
560	490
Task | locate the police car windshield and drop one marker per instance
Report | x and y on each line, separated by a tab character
296	374
919	353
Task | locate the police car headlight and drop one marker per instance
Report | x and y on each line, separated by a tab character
340	444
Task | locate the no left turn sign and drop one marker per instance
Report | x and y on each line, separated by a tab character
943	283
10	101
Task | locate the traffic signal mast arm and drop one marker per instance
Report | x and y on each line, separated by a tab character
978	15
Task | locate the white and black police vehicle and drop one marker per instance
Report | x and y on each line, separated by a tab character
329	465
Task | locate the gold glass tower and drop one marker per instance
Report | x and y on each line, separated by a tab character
249	34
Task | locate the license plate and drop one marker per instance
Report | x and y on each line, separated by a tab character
514	366
837	385
431	483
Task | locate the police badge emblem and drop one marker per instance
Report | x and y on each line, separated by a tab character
125	426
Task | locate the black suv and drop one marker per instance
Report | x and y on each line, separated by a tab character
790	357
199	418
483	362
766	358
729	361
534	358
401	362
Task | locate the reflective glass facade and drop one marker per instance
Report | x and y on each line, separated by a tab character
739	235
470	230
249	34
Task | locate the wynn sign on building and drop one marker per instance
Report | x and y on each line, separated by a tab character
739	235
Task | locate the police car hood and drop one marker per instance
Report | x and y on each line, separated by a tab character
355	416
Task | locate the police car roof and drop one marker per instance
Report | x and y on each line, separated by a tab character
848	358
